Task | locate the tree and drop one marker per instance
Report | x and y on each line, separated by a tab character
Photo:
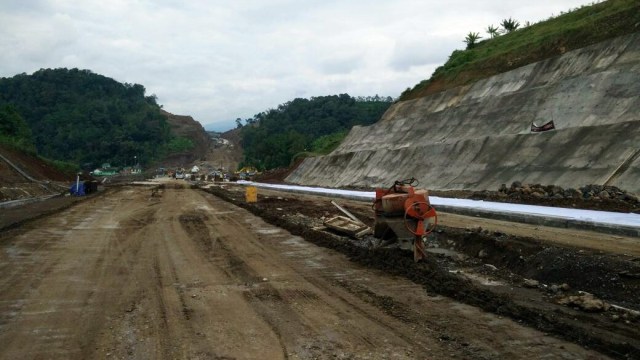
471	39
510	25
277	135
238	123
492	31
14	130
78	116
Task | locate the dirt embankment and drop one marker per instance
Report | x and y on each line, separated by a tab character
47	179
561	290
187	127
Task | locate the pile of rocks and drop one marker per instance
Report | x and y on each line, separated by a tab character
595	197
588	192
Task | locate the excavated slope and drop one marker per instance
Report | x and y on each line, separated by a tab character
186	126
478	137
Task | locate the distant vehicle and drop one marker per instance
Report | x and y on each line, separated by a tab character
247	173
179	174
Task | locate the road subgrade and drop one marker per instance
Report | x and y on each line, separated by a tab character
530	306
187	275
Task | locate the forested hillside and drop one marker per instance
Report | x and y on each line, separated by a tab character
81	117
14	131
301	127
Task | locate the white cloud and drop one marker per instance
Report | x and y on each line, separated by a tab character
218	60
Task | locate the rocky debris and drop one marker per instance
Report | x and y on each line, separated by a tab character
593	192
628	274
560	270
530	283
609	198
555	288
303	220
585	301
491	267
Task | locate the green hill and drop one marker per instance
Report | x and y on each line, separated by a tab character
305	127
573	30
81	117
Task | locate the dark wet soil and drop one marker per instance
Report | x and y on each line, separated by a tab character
504	259
595	203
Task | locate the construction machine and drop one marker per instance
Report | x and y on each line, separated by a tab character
403	214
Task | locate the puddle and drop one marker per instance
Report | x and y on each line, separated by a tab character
483	280
448	253
91	227
295	241
268	231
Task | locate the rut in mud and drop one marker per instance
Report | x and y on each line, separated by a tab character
615	334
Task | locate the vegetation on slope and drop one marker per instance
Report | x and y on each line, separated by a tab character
14	131
85	118
305	127
573	30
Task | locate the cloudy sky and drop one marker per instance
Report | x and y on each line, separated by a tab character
219	60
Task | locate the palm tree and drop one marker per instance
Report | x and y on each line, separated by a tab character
471	39
510	24
492	31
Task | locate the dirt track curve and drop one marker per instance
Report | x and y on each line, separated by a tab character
187	275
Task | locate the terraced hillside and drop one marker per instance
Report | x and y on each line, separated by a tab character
478	137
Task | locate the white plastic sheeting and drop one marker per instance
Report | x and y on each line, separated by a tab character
590	216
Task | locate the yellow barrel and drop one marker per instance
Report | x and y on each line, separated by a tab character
252	194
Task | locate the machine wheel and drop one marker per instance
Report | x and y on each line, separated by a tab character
421	212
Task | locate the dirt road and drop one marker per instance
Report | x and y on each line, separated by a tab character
225	156
187	275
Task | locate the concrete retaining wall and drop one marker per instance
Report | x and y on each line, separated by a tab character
477	137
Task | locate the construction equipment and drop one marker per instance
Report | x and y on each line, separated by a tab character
404	214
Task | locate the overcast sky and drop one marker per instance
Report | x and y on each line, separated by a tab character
220	60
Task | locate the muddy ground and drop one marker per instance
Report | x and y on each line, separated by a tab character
179	273
587	296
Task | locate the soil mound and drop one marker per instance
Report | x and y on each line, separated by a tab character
591	197
42	178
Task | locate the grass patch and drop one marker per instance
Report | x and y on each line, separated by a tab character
573	30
